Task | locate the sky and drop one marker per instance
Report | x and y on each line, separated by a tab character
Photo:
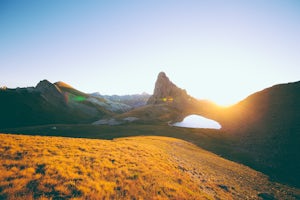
217	50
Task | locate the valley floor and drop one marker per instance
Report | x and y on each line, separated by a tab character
144	167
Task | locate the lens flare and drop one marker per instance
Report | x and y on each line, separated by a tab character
167	99
70	97
78	98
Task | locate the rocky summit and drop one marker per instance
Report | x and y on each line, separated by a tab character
166	92
46	86
50	92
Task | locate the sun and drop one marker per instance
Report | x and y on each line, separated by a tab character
225	101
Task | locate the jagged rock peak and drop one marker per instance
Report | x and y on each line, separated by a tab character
165	91
163	85
162	75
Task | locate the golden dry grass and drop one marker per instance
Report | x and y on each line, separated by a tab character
35	167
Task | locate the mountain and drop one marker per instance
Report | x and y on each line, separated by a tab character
50	92
266	126
168	103
49	103
28	106
166	92
271	108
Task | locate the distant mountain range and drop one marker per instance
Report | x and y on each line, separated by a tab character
134	100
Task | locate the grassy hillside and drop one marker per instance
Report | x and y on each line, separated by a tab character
35	167
217	141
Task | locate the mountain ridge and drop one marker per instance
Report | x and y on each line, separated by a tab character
47	103
267	126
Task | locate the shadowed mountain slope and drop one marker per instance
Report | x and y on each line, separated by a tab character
267	128
47	103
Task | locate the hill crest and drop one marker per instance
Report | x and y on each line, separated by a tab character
126	168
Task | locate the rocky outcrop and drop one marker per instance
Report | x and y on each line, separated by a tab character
166	92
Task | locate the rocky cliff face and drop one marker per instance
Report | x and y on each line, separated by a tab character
166	92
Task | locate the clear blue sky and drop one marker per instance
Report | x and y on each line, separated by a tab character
218	50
